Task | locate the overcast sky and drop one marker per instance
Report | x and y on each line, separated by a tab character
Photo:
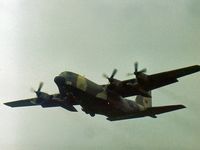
40	39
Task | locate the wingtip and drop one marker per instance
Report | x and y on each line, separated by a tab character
8	104
182	106
198	67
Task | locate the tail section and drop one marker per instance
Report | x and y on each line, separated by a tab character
146	102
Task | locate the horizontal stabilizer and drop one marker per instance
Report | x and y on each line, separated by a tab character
151	111
163	109
22	103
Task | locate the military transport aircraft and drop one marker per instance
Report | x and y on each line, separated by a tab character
109	99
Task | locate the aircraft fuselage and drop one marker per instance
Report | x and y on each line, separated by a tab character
94	98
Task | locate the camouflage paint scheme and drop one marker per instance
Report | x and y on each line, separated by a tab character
93	97
109	99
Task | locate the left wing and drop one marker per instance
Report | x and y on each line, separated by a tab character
33	101
54	102
22	103
155	81
151	112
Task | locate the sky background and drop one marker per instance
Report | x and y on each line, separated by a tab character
40	39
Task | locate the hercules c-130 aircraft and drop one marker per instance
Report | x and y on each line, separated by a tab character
109	99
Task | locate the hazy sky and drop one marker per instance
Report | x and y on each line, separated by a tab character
40	39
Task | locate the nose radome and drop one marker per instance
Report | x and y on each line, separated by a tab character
59	80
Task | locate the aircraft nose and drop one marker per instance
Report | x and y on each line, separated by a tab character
59	80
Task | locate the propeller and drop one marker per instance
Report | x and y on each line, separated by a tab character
140	76
41	96
136	72
136	69
44	99
38	92
111	78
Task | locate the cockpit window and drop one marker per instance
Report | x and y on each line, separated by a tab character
70	77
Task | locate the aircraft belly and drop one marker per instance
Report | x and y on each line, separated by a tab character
115	108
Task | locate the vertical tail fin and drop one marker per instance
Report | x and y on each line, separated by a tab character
144	101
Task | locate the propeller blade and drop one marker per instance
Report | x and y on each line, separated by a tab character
136	67
40	86
113	73
32	90
105	76
130	74
143	70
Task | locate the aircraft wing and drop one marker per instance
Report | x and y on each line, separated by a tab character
158	80
22	103
29	102
48	103
151	112
165	78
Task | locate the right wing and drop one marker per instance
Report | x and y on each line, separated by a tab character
164	78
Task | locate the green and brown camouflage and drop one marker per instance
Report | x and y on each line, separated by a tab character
109	99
